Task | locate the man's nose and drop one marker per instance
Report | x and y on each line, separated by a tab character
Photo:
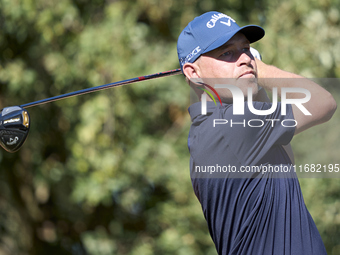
244	58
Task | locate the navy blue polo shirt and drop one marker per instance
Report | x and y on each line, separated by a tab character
245	182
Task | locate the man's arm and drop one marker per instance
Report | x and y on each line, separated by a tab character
321	104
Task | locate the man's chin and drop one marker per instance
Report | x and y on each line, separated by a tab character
246	83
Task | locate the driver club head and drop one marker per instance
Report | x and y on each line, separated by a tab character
14	127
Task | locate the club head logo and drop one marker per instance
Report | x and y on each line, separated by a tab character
13	141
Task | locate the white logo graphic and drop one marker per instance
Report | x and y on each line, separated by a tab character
191	55
13	141
11	120
226	23
214	18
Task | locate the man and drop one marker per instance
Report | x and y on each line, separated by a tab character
247	213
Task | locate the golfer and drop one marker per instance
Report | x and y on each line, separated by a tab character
248	213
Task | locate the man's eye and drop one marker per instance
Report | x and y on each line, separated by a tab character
227	53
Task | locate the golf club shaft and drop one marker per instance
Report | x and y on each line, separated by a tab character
102	87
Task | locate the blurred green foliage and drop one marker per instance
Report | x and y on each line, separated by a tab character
108	173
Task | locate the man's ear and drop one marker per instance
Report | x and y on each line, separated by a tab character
191	71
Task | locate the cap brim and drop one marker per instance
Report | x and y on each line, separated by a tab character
252	32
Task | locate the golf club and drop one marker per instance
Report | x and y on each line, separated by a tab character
15	120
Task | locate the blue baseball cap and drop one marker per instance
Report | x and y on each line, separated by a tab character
208	32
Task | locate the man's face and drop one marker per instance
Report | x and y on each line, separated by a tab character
232	63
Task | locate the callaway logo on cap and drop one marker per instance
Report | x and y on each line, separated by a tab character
208	32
